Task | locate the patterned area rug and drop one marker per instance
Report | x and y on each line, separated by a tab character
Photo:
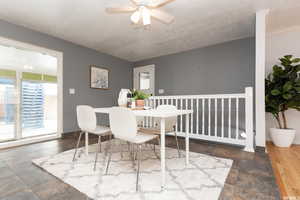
203	179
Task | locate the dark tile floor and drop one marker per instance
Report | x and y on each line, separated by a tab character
251	176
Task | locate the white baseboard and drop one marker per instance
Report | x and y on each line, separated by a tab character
27	141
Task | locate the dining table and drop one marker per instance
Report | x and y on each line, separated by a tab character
162	116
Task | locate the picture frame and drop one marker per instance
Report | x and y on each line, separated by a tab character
99	77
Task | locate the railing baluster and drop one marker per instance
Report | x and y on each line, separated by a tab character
143	122
203	112
197	117
151	119
222	111
146	118
192	116
216	117
209	102
186	108
181	128
176	125
237	118
229	118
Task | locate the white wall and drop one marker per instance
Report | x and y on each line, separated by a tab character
279	44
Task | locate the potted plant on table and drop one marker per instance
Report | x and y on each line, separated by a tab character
282	92
139	98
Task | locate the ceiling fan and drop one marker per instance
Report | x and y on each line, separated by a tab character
144	11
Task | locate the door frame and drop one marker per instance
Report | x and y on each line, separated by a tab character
151	67
59	56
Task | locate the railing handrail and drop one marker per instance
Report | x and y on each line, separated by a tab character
209	96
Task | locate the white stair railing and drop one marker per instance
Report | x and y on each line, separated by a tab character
226	118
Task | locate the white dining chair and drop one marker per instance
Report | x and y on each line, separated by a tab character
170	124
87	122
124	127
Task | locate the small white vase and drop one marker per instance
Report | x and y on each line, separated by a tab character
282	137
122	100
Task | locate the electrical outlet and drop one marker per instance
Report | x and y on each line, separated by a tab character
161	91
71	90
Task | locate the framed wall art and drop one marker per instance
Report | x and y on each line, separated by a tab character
99	77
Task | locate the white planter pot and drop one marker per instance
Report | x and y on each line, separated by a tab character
282	137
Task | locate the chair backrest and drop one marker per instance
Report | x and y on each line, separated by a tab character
123	123
86	118
171	121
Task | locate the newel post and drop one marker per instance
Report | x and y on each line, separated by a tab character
249	119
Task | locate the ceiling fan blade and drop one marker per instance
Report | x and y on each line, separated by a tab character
162	16
121	9
159	3
135	2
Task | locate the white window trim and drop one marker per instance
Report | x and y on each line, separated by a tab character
59	56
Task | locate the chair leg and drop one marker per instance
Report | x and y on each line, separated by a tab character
98	149
131	153
177	144
77	145
129	148
134	153
139	163
157	156
158	140
121	152
109	156
107	145
100	144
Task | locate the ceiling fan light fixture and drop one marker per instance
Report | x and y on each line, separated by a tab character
146	16
135	17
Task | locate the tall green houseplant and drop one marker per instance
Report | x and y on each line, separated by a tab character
282	87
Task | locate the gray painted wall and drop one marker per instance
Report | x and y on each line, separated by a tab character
76	63
222	68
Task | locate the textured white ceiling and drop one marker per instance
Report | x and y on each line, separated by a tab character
198	23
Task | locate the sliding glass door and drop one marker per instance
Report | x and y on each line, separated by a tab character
28	94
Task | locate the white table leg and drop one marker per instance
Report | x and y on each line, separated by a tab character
187	140
87	143
162	153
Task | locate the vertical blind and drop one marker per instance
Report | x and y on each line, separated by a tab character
33	99
32	105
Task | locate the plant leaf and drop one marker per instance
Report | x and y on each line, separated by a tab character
288	56
287	86
287	96
275	92
296	60
297	89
